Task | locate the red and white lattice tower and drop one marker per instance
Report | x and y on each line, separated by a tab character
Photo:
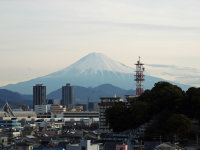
139	77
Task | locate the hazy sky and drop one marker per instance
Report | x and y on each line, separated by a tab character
38	37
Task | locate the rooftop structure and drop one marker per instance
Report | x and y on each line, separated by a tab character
21	114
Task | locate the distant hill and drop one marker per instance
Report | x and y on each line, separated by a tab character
90	71
14	98
83	94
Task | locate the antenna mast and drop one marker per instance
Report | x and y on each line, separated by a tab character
139	77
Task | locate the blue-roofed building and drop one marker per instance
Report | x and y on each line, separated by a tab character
10	123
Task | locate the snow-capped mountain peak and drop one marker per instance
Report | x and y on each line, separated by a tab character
98	62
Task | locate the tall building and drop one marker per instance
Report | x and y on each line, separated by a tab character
39	95
68	96
106	102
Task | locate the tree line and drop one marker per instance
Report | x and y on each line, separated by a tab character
171	111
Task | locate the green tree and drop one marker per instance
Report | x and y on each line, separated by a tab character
166	96
192	103
178	124
166	105
118	117
138	113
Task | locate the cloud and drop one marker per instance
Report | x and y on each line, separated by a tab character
184	75
161	66
124	29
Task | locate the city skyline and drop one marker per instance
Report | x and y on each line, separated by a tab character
41	37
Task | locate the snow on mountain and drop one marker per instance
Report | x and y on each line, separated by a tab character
94	63
99	62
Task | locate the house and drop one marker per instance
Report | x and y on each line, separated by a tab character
84	145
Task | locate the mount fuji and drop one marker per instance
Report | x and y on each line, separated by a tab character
90	71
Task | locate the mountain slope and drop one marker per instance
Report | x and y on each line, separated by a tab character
90	71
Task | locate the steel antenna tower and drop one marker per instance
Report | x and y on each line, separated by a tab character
139	77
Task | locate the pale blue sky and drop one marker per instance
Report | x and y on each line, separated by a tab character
38	37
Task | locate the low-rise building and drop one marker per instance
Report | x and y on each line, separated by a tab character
121	147
24	146
78	108
45	115
93	106
83	114
41	109
57	109
3	140
10	123
84	145
130	98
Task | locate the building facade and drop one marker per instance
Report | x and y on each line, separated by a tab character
83	114
68	96
57	109
122	147
11	123
39	95
106	102
84	145
41	109
93	106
